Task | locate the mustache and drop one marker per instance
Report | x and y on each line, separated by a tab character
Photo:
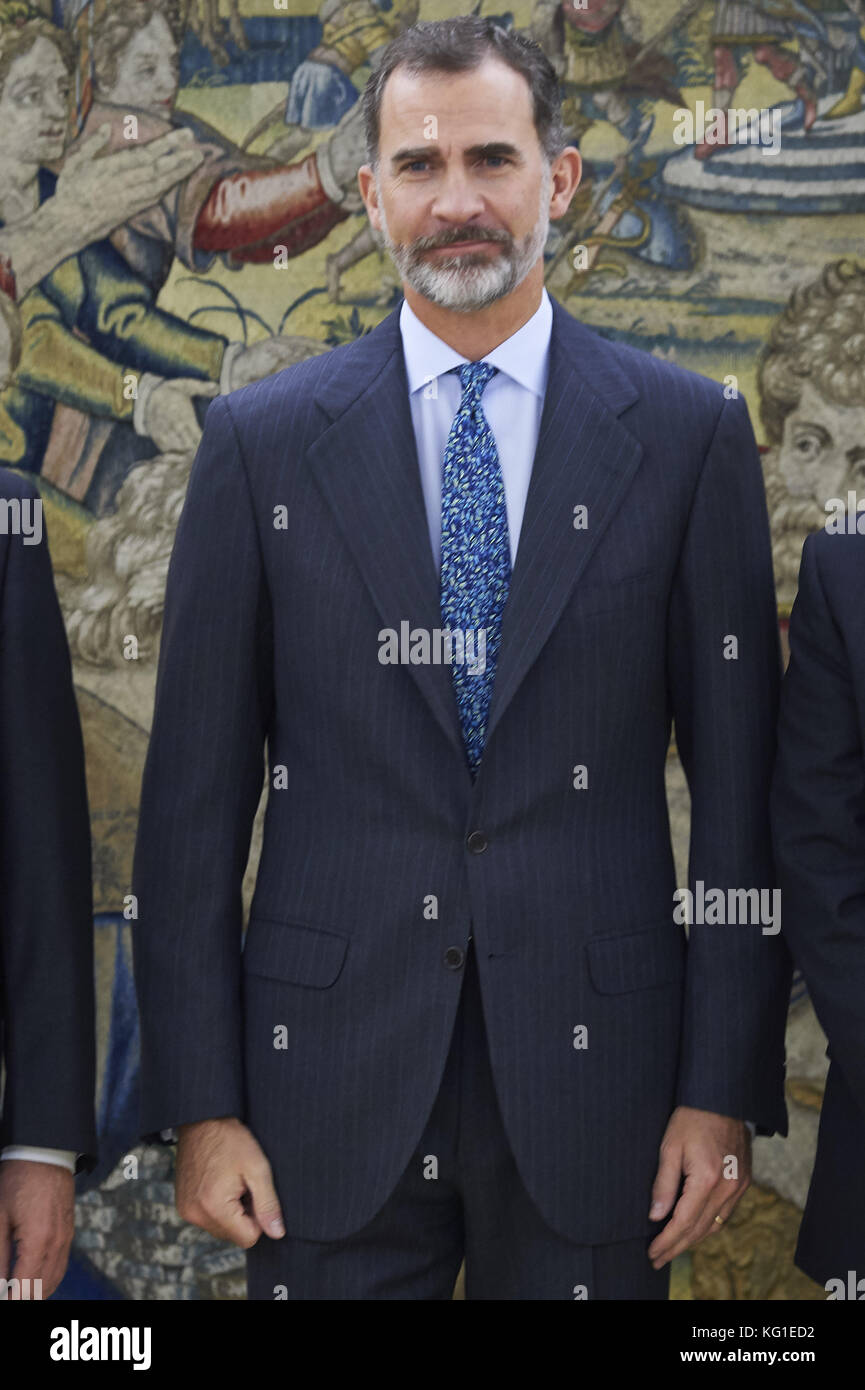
458	234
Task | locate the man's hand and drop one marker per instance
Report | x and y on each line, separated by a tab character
223	1182
37	1212
701	1146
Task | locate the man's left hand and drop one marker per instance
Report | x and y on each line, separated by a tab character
713	1153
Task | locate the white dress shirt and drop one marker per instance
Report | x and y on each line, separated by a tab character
61	1158
512	402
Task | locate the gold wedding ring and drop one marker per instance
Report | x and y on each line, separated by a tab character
720	1220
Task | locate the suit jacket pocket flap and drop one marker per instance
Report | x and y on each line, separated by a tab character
291	951
638	960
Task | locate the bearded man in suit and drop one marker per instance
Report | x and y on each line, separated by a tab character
466	1020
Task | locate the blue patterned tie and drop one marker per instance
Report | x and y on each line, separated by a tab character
475	552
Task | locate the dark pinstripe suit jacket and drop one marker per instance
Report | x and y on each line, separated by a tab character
303	536
818	823
46	904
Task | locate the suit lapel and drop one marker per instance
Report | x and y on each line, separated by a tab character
367	467
584	457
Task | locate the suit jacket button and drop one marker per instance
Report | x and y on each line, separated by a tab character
477	842
454	957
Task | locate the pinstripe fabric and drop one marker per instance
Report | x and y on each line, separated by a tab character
47	1000
818	824
475	1207
610	629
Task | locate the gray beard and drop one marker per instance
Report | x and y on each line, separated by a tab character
473	280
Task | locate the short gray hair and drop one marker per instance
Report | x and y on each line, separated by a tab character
460	45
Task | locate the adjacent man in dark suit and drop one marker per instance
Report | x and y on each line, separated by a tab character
466	1018
47	1121
818	824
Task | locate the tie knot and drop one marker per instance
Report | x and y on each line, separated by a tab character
475	375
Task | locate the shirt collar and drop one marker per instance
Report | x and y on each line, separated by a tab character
522	357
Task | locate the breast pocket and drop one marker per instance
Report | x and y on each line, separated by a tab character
294	952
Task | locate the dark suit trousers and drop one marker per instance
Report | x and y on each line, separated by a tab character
460	1196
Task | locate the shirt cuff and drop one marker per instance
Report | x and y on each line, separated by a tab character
61	1158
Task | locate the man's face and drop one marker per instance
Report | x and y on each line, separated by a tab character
147	73
462	193
34	104
822	454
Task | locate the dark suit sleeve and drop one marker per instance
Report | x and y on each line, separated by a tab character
46	904
202	781
724	675
818	822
